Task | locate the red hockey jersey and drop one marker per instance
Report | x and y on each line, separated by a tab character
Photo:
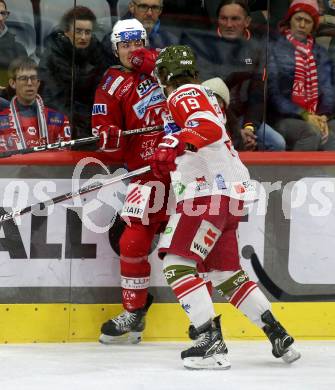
24	127
130	100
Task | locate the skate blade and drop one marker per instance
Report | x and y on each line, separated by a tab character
215	362
291	355
128	338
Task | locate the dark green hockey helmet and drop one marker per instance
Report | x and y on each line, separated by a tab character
175	61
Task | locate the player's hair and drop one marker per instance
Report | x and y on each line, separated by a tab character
177	81
77	13
242	3
3	2
21	63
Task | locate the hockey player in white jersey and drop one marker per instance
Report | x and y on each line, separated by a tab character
211	185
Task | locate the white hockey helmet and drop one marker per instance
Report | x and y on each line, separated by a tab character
128	30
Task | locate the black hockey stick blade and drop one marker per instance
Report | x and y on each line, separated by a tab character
248	252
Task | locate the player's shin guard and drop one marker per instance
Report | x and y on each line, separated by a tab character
190	289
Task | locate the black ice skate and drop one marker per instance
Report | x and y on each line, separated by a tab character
209	350
126	327
281	341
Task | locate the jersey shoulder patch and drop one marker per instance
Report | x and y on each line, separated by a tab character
116	82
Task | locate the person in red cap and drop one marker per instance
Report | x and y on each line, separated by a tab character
301	91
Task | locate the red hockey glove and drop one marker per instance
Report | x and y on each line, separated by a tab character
163	160
110	137
144	60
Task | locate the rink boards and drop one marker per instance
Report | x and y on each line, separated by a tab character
59	272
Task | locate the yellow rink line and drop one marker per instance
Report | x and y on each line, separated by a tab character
26	323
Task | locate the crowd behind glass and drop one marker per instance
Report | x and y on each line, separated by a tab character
270	63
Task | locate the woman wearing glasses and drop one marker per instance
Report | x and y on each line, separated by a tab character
9	48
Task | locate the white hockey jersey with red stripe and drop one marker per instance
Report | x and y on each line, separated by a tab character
216	167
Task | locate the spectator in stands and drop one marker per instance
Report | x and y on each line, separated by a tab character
221	92
71	68
148	13
239	59
300	82
9	47
26	122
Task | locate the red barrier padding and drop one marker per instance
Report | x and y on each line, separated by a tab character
64	157
110	158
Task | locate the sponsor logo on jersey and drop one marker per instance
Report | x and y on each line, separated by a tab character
205	239
125	88
144	87
99	109
67	131
239	188
115	84
220	182
201	183
154	97
190	93
186	62
4	122
179	188
55	118
31	130
168	230
192	124
107	82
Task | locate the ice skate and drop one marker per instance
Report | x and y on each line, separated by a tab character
209	350
281	341
127	327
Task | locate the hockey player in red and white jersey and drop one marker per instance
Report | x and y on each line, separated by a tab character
26	122
211	185
129	97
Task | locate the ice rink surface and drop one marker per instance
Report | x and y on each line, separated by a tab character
155	366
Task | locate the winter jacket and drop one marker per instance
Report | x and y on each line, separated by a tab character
240	63
56	73
281	78
9	50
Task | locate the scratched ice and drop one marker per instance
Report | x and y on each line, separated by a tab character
156	366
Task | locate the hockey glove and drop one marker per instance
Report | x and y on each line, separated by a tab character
144	60
163	160
110	137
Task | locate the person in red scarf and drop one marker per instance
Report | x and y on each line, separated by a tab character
301	91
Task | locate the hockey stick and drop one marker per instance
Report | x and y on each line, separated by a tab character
55	145
61	198
74	142
248	252
142	130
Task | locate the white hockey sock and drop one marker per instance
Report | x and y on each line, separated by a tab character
250	300
198	306
189	288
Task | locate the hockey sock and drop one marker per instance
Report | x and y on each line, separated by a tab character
242	293
190	289
135	244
